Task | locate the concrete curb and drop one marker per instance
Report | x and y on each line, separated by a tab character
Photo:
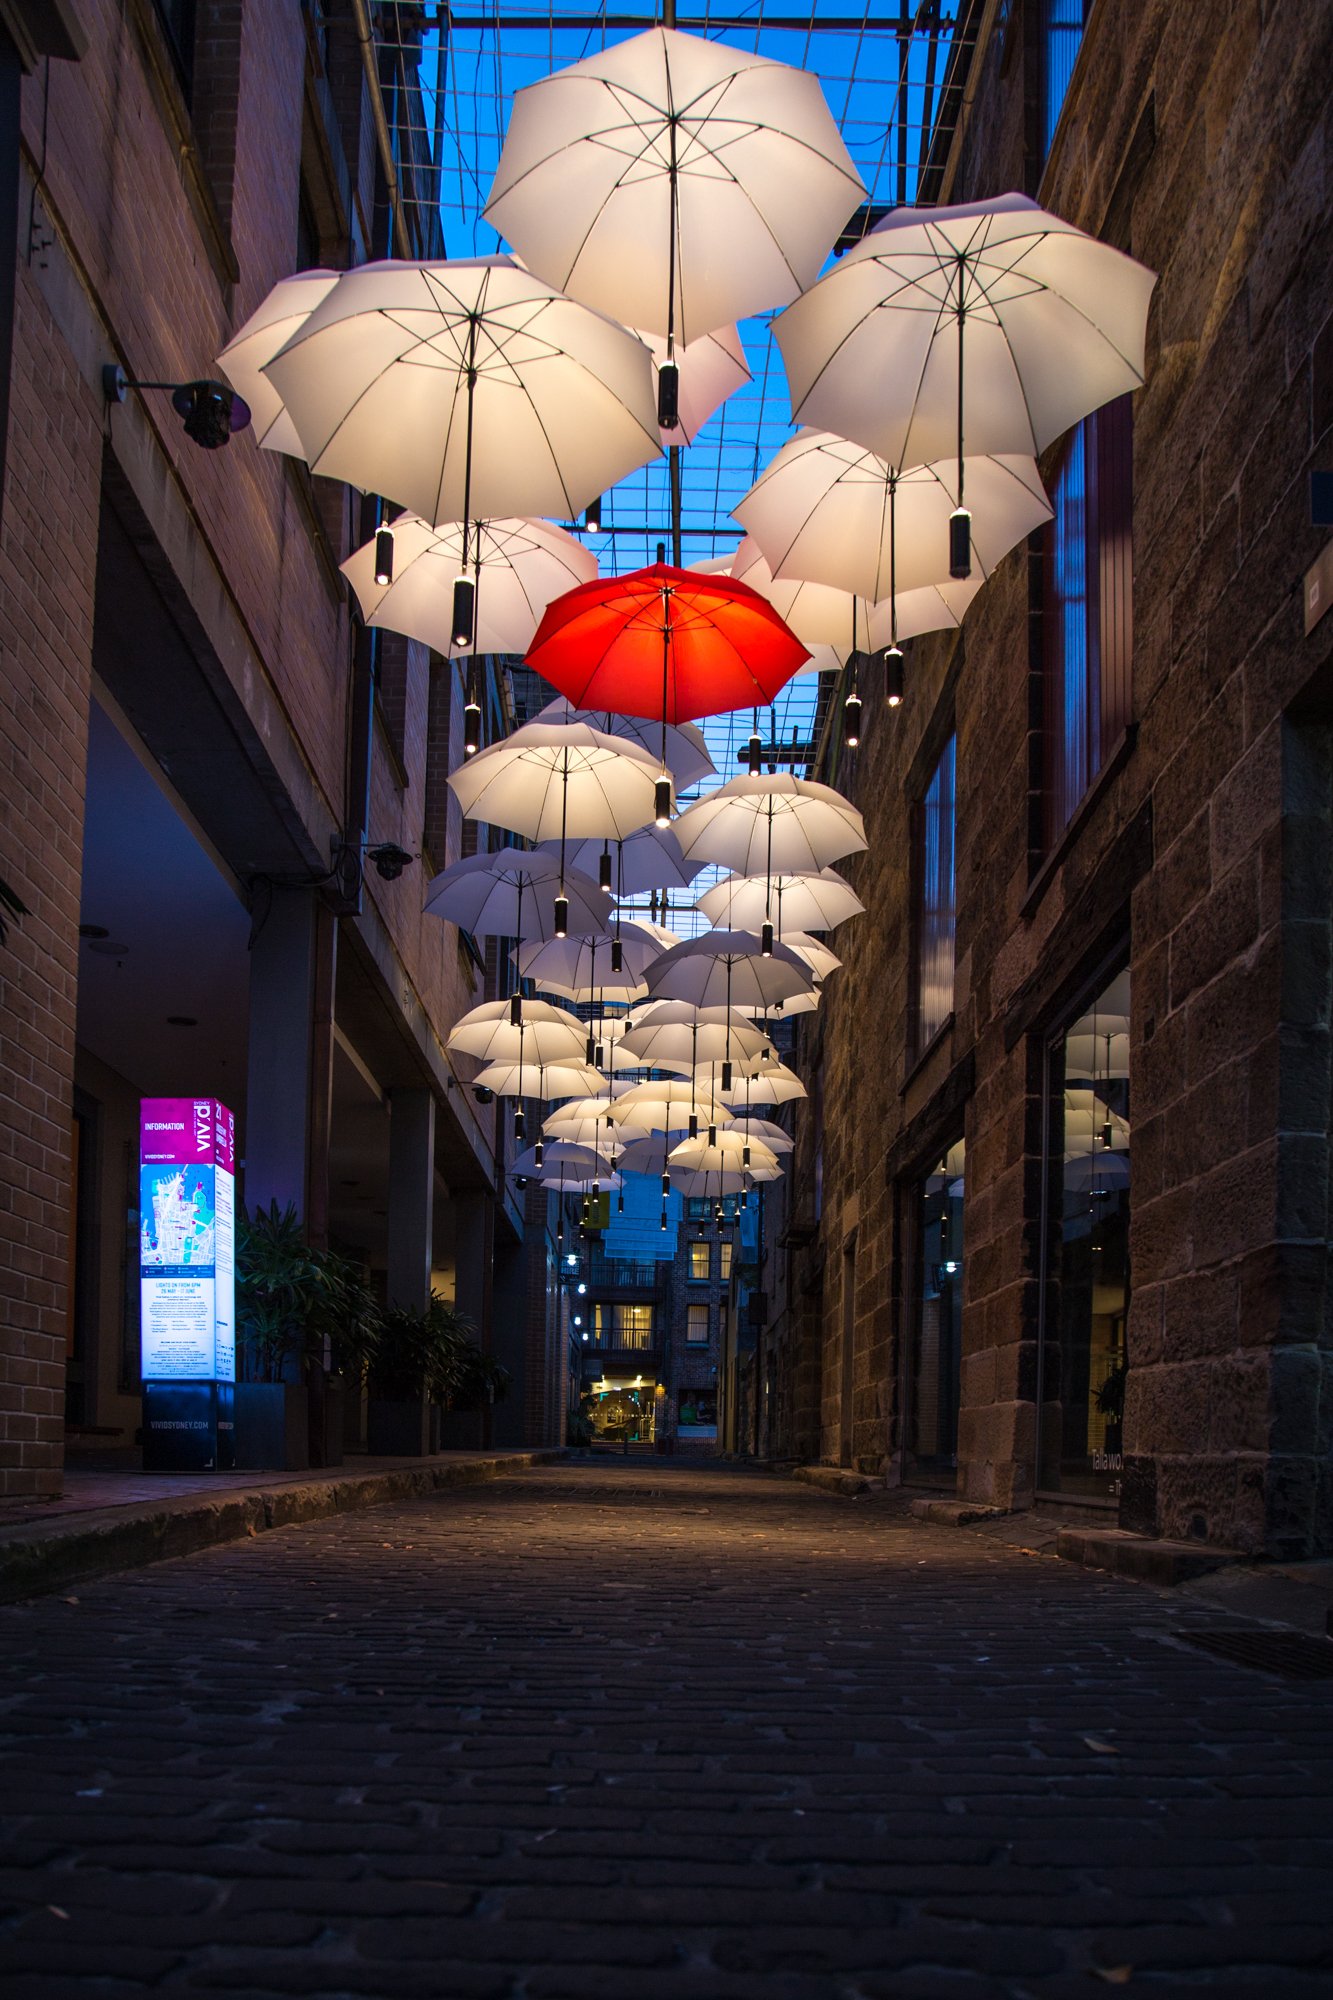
954	1513
1141	1558
41	1556
834	1479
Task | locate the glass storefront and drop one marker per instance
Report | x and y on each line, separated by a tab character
1085	1283
621	1412
931	1434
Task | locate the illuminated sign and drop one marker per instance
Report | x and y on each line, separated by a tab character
187	1240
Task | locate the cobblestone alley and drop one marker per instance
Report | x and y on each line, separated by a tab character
626	1730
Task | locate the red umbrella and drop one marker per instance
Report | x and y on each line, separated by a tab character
665	643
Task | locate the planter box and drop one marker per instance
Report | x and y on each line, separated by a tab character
272	1426
397	1429
327	1396
461	1430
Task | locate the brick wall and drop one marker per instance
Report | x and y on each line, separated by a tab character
1208	846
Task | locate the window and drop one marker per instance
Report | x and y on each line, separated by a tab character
697	1413
1087	622
696	1326
1085	1282
935	901
725	1250
177	18
622	1325
701	1258
1061	31
930	1431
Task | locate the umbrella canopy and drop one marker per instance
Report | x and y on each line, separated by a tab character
648	1154
646	860
807	902
544	1035
533	1079
726	1153
674	182
666	643
772	1135
666	1104
710	1184
518	567
466	390
550	782
558	1154
511	893
989	327
771	825
586	1122
727	969
822	616
832	511
776	1085
817	956
579	968
710	369
682	1037
244	358
687	757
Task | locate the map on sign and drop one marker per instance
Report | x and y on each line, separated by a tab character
177	1217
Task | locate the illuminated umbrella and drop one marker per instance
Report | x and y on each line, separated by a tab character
545	1034
808	902
821	615
242	361
549	1156
990	327
649	859
666	643
728	969
817	955
681	1037
687	757
695	1184
512	893
725	1151
772	1135
832	511
587	1121
773	825
775	1085
467	390
665	1104
674	182
581	968
545	1080
517	567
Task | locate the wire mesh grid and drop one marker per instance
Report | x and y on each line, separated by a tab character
885	68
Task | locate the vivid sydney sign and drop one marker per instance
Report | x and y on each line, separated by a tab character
187	1240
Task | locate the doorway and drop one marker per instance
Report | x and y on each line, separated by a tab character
932	1381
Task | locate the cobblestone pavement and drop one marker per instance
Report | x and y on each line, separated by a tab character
641	1732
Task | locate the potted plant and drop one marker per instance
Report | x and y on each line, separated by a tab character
478	1382
414	1367
279	1291
341	1344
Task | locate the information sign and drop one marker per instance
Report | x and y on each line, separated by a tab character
187	1238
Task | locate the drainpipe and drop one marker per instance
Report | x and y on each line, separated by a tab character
365	35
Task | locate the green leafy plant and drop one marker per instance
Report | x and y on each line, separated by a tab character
279	1291
351	1316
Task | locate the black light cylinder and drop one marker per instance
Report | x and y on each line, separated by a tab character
561	919
893	676
617	955
666	1183
766	941
745	1156
664	1218
668	396
745	1197
600	1056
516	1010
465	606
471	729
520	1122
726	1078
590	1051
851	721
384	557
538	1153
662	801
752	752
592	516
604	872
960	543
620	1204
712	1135
694	1125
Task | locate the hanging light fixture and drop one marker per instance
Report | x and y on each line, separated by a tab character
893	676
617	955
465	608
960	544
604	871
851	711
662	801
666	1184
664	1213
471	719
592	516
766	940
620	1204
384	557
520	1123
590	1050
516	1010
668	396
538	1153
726	1077
560	918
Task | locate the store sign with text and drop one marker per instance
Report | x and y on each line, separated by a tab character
187	1239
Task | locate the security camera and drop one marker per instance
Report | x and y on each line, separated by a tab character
390	860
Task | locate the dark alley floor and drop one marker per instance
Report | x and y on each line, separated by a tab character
634	1730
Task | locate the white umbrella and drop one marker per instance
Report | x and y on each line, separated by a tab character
674	182
587	1121
695	1184
681	1037
808	902
776	1085
830	510
287	307
822	616
687	756
728	969
466	390
517	567
557	1154
774	825
582	968
816	954
512	893
646	860
989	327
666	1104
726	1151
557	782
534	1079
772	1135
544	1034
710	369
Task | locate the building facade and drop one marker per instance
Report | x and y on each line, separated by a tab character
209	761
1058	1227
